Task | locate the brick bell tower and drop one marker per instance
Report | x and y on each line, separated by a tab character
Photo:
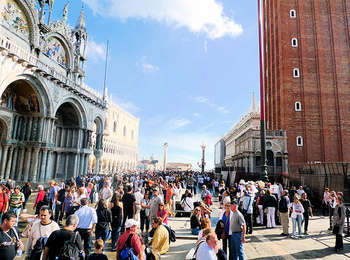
307	78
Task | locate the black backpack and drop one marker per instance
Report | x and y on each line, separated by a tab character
69	250
172	235
38	249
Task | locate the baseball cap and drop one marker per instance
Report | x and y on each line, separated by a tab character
130	222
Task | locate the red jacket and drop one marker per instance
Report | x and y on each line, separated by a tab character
40	197
135	243
3	201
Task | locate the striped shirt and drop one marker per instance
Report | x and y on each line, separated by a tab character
16	197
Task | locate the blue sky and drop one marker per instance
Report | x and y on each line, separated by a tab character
186	68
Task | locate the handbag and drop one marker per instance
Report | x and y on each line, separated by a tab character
335	229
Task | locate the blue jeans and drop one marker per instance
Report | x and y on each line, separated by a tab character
236	247
297	221
115	236
195	231
17	211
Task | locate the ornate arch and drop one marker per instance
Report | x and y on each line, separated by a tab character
4	130
79	108
66	44
32	20
39	87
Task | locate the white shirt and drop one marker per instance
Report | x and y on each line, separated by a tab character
138	197
188	204
205	252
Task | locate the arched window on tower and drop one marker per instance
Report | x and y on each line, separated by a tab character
294	42
297	106
132	135
293	13
115	127
296	73
300	141
124	131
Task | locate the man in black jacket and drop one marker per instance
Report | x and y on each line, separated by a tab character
283	209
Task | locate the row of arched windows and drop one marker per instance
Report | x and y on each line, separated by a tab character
124	131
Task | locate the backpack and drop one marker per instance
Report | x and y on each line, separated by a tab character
126	253
69	250
38	249
172	235
193	252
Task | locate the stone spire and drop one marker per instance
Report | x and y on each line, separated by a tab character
65	12
81	19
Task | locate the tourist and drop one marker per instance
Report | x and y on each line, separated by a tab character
205	223
160	240
226	221
195	221
86	226
61	196
144	213
300	191
53	193
138	198
283	208
207	250
332	203
26	190
98	255
339	222
325	200
162	213
42	199
237	232
187	203
57	239
260	204
247	210
106	193
9	238
16	201
104	219
117	217
40	230
4	202
130	234
297	215
307	211
270	203
129	204
77	197
68	203
155	201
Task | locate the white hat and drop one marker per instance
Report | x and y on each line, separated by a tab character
130	222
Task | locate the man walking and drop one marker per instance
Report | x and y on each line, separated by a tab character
283	206
86	226
16	201
237	233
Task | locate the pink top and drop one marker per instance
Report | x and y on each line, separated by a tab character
164	213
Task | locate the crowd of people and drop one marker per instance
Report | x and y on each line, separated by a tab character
132	210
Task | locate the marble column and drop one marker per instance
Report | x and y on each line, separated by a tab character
14	129
76	165
34	170
27	164
48	165
274	164
81	168
63	137
43	165
251	163
3	160
66	166
29	129
14	163
56	165
9	163
20	163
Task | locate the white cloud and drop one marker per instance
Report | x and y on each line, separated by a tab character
146	66
177	123
196	114
96	51
217	107
198	16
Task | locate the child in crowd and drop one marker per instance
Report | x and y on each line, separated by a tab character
98	255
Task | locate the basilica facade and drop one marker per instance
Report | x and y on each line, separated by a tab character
47	116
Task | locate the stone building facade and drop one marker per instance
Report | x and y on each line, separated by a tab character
120	143
243	148
46	115
307	79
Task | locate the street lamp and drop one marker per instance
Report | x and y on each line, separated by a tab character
264	174
203	156
165	146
